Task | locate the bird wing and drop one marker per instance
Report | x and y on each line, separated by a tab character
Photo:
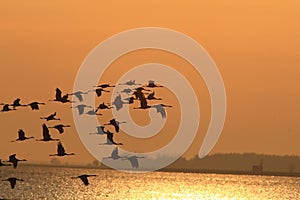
34	106
60	149
100	130
99	92
60	128
12	182
58	94
80	109
134	161
143	102
12	157
52	115
79	96
115	153
109	138
84	179
46	134
21	134
160	109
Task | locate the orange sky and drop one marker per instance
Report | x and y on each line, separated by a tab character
256	45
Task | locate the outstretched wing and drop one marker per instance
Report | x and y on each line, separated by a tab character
60	149
58	94
46	134
115	154
21	134
60	128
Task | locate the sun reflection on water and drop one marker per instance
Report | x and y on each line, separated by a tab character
56	183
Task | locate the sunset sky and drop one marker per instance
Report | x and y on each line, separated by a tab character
255	44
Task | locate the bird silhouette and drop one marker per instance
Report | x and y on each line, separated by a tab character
118	103
46	135
115	123
60	98
151	96
6	108
61	151
100	130
143	103
12	159
16	103
114	154
110	139
126	91
50	117
78	95
84	178
12	181
139	93
3	164
98	91
60	127
130	83
35	105
160	109
81	108
92	112
152	84
105	85
103	106
21	136
133	160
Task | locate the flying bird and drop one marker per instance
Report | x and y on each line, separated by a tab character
160	109
105	85
60	127
6	108
78	95
152	84
50	117
16	103
115	123
130	83
139	93
134	161
127	91
114	154
118	102
143	103
98	91
61	151
46	135
81	108
12	181
12	159
60	98
35	105
84	178
21	136
103	106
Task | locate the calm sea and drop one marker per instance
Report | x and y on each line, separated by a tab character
55	183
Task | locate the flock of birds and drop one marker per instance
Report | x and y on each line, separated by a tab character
139	93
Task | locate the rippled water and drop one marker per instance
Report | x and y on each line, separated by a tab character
55	183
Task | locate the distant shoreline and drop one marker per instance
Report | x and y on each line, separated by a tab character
180	170
232	172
